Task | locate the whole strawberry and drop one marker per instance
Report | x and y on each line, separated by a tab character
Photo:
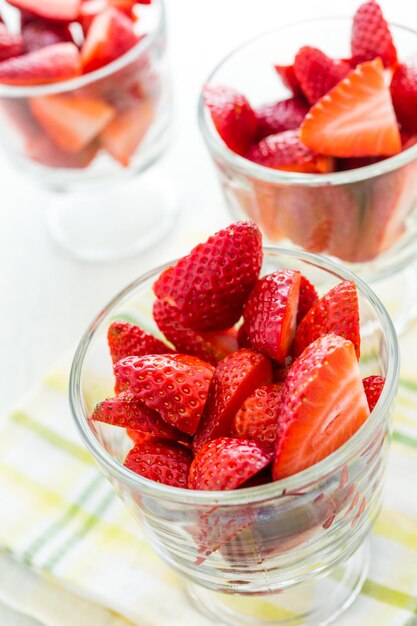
371	36
317	73
164	462
126	339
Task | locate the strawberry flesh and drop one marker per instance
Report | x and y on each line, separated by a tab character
257	418
371	36
126	339
125	132
164	462
48	65
373	386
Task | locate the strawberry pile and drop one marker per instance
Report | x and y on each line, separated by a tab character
63	39
260	380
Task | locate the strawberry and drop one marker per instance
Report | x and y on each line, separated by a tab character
336	312
227	463
323	405
43	150
59	10
404	94
164	462
49	65
211	284
257	418
270	314
126	339
235	378
317	73
233	117
72	122
91	8
288	77
174	385
278	116
39	34
122	136
371	36
356	118
345	212
10	45
137	436
373	386
110	36
307	297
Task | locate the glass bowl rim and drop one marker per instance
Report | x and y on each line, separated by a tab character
269	175
250	494
72	84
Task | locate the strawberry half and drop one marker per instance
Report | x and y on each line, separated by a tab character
336	312
49	65
371	36
123	135
174	385
317	73
164	462
227	463
54	10
10	45
288	77
308	296
404	94
126	339
257	418
233	117
356	118
39	34
276	117
373	386
323	405
270	314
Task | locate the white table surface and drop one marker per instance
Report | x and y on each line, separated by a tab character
47	299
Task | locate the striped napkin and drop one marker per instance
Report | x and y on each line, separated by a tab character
72	554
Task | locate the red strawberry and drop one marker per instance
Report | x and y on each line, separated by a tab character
257	418
211	284
164	462
235	378
404	94
336	312
308	296
39	34
288	77
126	339
371	36
59	10
125	132
91	8
317	73
227	463
49	65
270	314
10	45
278	116
43	150
323	405
345	211
373	386
137	437
233	117
174	385
356	118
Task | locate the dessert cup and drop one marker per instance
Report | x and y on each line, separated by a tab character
365	217
289	552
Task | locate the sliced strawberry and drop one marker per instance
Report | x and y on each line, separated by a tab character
40	34
288	77
59	10
164	462
317	73
307	297
91	8
49	65
278	116
373	386
211	284
43	150
257	418
345	211
336	312
371	36
233	117
270	314
404	93
226	463
356	118
10	45
137	436
126	339
235	378
323	405
72	122
125	132
174	385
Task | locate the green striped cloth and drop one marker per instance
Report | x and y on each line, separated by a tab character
60	518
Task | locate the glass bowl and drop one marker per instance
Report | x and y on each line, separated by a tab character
295	546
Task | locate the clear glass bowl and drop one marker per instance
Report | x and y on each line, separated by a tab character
298	541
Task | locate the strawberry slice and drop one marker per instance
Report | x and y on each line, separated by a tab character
91	8
371	36
39	34
126	339
270	314
55	10
356	118
49	65
307	297
278	116
288	77
164	462
257	418
336	312
233	117
323	405
72	122
317	73
404	93
227	463
174	385
345	211
235	378
211	284
137	436
373	386
125	132
10	45
43	150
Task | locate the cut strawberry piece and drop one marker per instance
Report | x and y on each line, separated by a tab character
404	94
270	314
10	45
174	385
72	122
226	463
137	437
43	150
323	405
345	211
59	10
91	8
164	462
276	117
49	65
308	296
39	34
125	132
336	312
317	73
288	77
110	36
257	418
126	339
371	36
211	284
356	118
233	117
235	378
373	386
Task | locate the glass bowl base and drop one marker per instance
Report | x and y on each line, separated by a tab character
313	603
